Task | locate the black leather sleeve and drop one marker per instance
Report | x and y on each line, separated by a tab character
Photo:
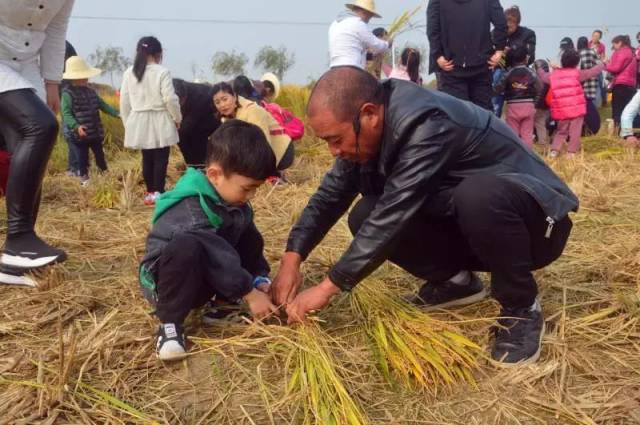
416	172
433	29
332	199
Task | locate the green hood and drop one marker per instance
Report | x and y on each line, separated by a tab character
193	183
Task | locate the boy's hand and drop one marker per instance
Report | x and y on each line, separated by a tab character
82	131
264	287
260	304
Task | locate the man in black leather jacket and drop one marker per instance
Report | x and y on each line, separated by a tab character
446	189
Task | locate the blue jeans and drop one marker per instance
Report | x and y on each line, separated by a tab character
73	154
498	100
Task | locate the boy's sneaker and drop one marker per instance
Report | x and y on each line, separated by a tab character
155	196
84	181
149	199
28	251
170	344
518	340
439	295
11	276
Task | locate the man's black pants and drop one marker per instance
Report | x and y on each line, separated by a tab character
470	84
497	227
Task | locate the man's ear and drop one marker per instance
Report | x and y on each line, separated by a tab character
372	115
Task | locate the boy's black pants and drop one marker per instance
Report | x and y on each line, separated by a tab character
82	149
497	227
154	168
192	269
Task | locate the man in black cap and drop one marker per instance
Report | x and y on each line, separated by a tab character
447	189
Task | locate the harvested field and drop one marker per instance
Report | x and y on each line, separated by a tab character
80	348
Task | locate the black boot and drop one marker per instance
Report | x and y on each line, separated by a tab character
438	295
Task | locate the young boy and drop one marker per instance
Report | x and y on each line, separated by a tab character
81	108
521	88
203	242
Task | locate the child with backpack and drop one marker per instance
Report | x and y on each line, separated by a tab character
80	107
567	100
521	88
204	243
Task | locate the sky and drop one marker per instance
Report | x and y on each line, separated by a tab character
301	26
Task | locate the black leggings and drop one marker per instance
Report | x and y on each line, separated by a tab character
154	168
29	130
621	96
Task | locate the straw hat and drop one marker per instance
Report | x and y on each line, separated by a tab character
368	5
77	69
273	79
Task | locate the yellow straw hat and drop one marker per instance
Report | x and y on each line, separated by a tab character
273	79
368	5
77	69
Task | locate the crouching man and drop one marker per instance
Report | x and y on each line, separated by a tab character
447	189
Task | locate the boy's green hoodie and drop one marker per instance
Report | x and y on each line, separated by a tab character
193	183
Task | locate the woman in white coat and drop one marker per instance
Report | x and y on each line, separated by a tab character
32	48
150	111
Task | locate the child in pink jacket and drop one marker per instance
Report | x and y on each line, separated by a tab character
568	102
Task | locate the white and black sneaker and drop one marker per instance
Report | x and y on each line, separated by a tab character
29	252
11	276
171	343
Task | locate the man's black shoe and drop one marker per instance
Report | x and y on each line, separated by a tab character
447	294
518	339
27	251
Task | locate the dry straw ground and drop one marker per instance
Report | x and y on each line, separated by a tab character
79	349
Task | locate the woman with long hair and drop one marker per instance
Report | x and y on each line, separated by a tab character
150	111
624	69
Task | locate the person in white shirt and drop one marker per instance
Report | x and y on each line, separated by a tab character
350	37
32	48
150	111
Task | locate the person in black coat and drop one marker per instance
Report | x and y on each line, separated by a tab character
462	49
199	121
447	188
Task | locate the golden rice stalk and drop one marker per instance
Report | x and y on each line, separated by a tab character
401	22
325	397
410	347
105	195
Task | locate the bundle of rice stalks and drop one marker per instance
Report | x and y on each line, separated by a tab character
402	22
411	348
106	196
326	398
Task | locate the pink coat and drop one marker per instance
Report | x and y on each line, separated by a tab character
624	67
568	100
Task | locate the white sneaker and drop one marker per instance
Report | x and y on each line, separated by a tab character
170	344
15	277
155	196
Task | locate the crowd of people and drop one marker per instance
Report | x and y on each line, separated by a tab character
445	188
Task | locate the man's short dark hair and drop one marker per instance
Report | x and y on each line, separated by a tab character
343	90
570	58
599	32
242	148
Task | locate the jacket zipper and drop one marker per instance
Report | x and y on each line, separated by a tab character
549	227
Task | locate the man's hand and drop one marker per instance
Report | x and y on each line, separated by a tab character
312	299
444	64
260	304
82	131
288	280
494	60
53	95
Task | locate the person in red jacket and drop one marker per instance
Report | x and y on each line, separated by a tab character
568	102
624	68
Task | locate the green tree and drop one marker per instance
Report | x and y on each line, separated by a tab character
278	61
110	59
229	63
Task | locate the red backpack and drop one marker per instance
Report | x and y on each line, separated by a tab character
291	125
